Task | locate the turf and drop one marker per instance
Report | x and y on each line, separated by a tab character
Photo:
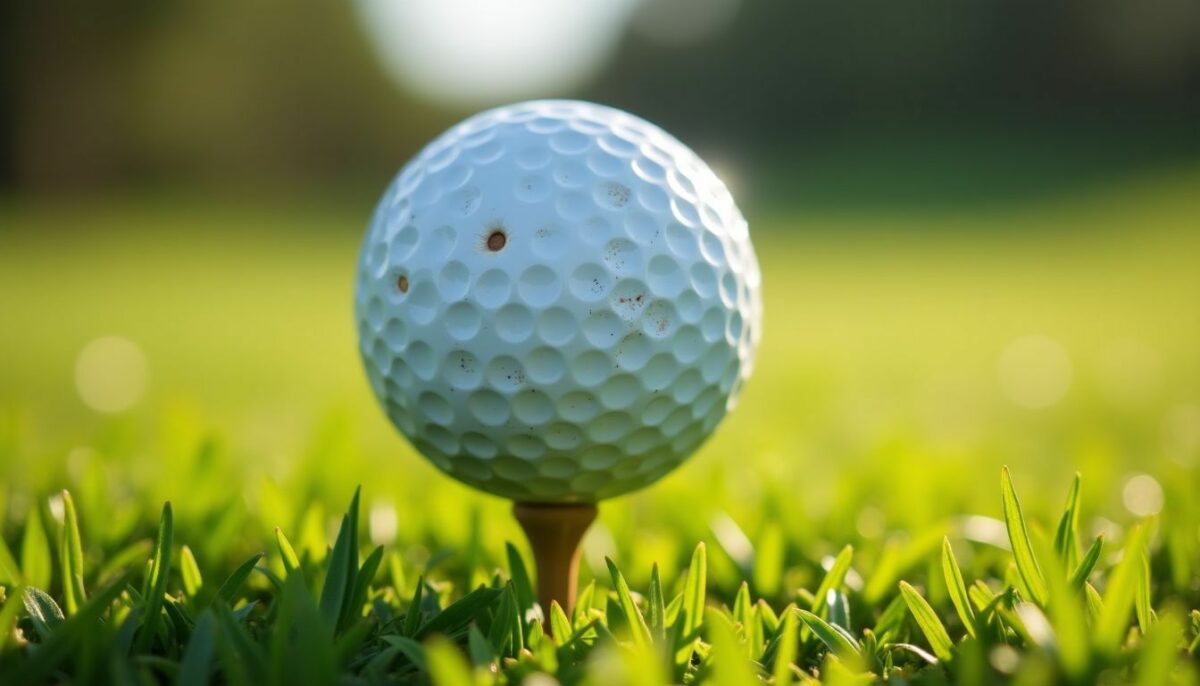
873	432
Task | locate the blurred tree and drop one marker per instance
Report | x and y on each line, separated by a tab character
70	104
222	91
829	65
272	91
276	92
9	55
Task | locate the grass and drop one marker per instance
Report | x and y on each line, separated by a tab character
849	513
331	617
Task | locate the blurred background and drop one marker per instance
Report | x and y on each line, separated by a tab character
979	226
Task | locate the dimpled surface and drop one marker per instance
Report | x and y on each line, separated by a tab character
557	301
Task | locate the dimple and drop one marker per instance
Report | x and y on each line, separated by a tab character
514	323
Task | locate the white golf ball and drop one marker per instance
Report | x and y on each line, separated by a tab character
557	301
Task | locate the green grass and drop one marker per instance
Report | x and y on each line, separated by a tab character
866	452
326	617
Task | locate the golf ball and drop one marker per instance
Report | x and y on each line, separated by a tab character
557	301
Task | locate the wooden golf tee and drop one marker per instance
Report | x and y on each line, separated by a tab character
554	532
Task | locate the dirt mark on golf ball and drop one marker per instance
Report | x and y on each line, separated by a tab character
494	236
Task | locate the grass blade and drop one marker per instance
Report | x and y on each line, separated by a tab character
156	582
70	556
272	578
395	572
770	620
505	635
833	579
519	574
560	626
1145	614
837	609
769	552
196	664
338	575
8	615
1087	564
35	551
957	588
229	589
446	664
742	604
928	622
412	616
291	562
1158	654
727	661
362	585
1067	620
1067	535
1034	586
464	611
656	606
341	569
637	623
412	651
535	633
478	649
583	604
915	650
501	630
193	581
694	592
43	611
1120	594
837	640
10	572
240	654
890	620
63	643
1094	603
755	638
785	653
300	649
179	624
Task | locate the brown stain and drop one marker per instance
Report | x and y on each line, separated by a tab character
494	237
496	241
402	283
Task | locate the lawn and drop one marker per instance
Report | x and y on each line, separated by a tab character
909	353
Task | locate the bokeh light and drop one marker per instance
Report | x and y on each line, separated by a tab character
111	374
382	522
1142	495
1034	371
479	52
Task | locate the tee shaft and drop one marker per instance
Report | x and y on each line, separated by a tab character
554	532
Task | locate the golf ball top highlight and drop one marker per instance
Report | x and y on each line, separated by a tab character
557	301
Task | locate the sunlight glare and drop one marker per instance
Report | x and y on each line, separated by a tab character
479	52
